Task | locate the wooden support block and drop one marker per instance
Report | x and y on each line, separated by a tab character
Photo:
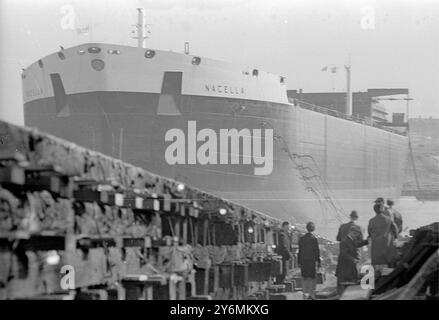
140	286
206	281
214	279
136	242
276	288
27	242
95	242
66	187
190	279
165	202
196	213
195	234
175	287
175	206
297	283
201	278
49	178
177	228
241	275
86	195
95	192
276	268
12	175
181	289
112	198
184	235
148	204
226	276
92	294
183	208
289	286
278	296
205	229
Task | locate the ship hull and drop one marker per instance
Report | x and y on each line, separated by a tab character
323	166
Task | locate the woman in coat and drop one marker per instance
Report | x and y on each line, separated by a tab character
309	260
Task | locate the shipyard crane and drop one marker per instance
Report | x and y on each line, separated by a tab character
411	153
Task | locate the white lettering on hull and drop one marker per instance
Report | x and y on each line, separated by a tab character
224	89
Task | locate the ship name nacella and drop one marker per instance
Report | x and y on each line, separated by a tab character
226	89
243	147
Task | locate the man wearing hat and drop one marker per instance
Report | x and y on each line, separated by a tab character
347	273
350	237
380	201
393	214
345	228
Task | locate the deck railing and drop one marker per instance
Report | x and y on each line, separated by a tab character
357	118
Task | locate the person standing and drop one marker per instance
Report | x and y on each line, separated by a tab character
395	215
309	259
345	228
380	201
283	249
382	232
348	258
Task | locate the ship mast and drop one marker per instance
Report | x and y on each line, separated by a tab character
140	27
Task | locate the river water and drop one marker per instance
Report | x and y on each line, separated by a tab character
417	213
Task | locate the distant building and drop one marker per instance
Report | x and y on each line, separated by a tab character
398	118
379	113
364	104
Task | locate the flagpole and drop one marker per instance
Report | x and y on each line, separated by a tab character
348	91
348	106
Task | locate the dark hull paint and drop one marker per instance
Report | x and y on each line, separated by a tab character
358	162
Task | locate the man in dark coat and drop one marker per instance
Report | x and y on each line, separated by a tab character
382	232
394	215
345	228
283	249
348	258
309	259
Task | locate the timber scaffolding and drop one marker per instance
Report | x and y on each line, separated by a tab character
75	223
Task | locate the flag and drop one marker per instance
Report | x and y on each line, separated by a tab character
325	68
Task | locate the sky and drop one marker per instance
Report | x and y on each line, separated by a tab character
389	44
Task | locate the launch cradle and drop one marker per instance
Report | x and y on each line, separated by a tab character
125	233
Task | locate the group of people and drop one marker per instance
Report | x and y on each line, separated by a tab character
382	230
